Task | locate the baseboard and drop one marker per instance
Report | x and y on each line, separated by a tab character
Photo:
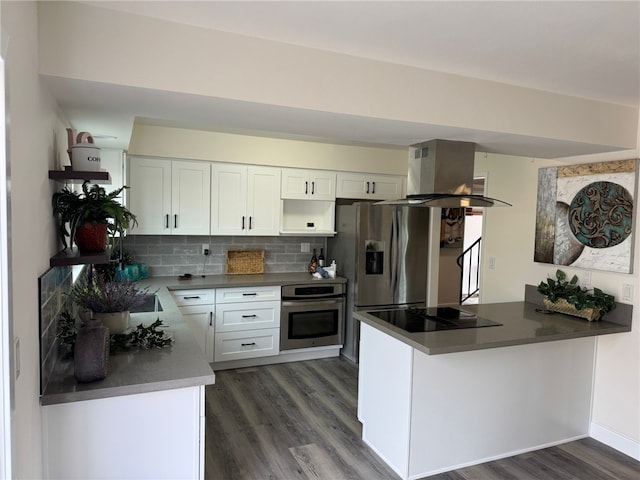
286	356
615	440
495	457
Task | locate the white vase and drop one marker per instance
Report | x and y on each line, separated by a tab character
116	322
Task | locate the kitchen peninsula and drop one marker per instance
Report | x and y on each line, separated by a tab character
431	402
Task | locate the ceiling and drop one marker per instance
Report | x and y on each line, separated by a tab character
585	49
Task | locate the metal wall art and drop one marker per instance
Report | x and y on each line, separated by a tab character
585	215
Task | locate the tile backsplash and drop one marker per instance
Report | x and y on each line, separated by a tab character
53	287
168	255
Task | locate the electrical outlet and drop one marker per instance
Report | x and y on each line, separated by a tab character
585	278
492	263
305	247
205	249
627	292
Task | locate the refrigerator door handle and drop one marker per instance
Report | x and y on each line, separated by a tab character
393	253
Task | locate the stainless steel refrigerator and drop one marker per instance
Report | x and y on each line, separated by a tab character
383	253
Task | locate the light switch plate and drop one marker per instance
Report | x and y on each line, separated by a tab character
305	247
627	292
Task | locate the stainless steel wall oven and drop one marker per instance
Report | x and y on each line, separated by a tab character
312	315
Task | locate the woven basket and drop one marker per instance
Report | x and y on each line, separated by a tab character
562	306
241	262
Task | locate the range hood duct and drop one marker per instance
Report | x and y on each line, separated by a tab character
441	175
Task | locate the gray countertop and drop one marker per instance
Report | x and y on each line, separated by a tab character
221	281
179	366
521	325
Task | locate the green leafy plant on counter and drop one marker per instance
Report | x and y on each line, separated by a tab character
141	337
576	295
66	334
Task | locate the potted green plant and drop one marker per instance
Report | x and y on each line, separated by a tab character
566	296
93	216
109	301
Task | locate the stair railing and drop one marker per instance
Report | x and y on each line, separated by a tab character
467	277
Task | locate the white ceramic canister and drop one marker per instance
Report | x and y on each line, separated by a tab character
85	157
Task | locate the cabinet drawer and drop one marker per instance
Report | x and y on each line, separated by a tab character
194	297
247	294
249	344
231	317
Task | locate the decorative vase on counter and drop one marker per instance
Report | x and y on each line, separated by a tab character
116	322
91	355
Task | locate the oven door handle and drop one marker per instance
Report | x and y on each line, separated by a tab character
337	296
297	303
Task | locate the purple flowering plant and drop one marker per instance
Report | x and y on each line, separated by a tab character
102	296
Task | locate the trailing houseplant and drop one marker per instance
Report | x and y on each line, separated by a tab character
559	292
109	301
92	216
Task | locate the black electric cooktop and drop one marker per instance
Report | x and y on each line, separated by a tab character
432	319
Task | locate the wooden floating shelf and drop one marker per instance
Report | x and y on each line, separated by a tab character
72	256
74	176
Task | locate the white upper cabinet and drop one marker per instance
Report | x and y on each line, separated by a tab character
228	199
263	202
245	200
368	186
308	184
190	197
169	197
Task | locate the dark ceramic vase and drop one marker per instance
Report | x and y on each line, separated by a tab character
91	356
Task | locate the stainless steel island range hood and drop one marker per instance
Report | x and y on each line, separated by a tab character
441	175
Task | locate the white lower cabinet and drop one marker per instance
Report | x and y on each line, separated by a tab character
247	344
247	323
197	308
155	435
232	317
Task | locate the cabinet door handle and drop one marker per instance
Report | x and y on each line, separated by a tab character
248	344
367	187
194	297
249	316
313	188
243	222
306	188
175	221
373	190
250	218
249	294
211	319
166	221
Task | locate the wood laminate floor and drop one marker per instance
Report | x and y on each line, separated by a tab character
298	421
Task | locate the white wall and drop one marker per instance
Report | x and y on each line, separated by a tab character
170	57
32	152
509	237
225	147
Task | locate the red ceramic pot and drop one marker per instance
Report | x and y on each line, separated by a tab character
91	237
